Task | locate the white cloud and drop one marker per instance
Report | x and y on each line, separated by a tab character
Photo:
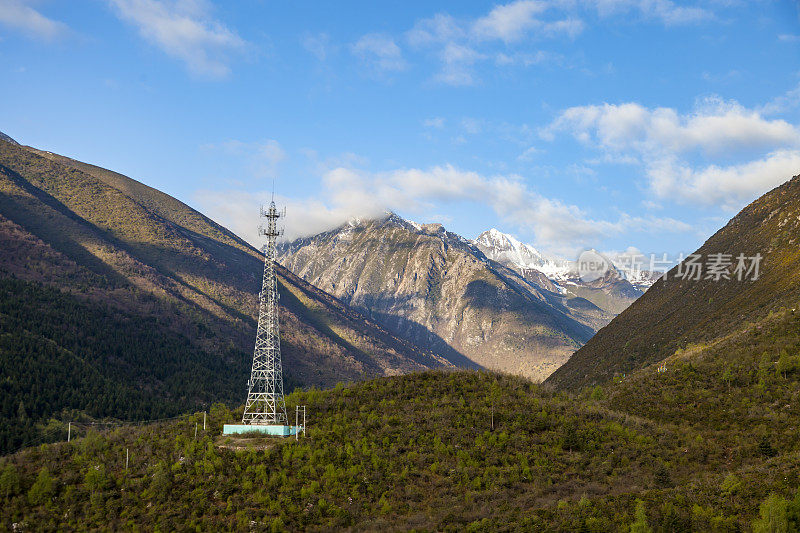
665	11
183	29
732	74
553	222
262	157
526	59
461	43
238	211
786	102
512	22
728	186
441	28
318	45
349	192
570	27
717	127
509	22
457	61
434	122
529	153
471	125
664	142
380	52
651	205
17	14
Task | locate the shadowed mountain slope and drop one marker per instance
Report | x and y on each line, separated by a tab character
676	313
174	285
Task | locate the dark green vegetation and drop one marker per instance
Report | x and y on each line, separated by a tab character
419	451
674	313
58	352
119	300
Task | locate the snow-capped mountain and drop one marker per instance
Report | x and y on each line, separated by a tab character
506	249
438	290
622	283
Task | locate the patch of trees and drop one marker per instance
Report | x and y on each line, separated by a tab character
62	358
451	451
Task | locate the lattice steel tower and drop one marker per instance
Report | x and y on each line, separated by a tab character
265	404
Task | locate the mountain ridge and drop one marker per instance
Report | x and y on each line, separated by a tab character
114	248
612	292
4	137
506	249
440	290
676	314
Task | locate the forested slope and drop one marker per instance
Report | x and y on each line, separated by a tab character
445	451
148	305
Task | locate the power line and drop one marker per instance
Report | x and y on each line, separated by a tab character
45	437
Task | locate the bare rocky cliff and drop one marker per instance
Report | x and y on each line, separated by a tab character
440	291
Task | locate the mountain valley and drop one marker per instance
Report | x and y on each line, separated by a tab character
679	415
89	250
441	291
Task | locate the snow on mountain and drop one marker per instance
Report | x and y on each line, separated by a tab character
439	291
506	249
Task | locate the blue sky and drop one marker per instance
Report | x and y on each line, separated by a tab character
568	123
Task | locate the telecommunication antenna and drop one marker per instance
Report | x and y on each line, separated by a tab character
265	404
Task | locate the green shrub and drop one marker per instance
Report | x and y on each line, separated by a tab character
9	481
43	488
640	524
772	516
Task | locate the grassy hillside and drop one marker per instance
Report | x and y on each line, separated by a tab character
743	388
675	313
121	282
454	451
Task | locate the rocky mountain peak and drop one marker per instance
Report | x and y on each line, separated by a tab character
4	137
506	249
440	291
433	229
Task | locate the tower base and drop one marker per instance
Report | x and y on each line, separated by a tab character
264	429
